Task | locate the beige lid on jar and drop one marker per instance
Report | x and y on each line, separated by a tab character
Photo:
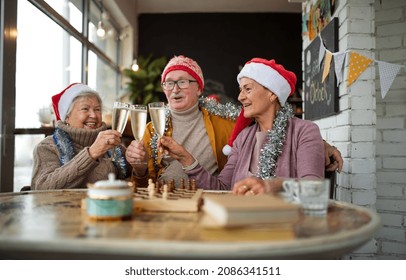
111	188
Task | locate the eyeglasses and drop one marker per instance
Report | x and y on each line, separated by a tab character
169	85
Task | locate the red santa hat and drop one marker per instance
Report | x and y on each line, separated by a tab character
186	64
269	74
63	100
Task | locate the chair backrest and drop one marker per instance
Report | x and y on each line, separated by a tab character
332	177
25	189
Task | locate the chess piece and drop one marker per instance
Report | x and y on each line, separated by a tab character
152	193
194	184
150	185
188	185
165	192
182	184
151	189
157	189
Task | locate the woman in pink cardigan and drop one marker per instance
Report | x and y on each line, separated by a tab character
269	141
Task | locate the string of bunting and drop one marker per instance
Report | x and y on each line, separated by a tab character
357	65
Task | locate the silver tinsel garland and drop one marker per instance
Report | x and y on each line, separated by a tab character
274	142
228	111
64	144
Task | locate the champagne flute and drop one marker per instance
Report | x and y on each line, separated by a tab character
138	121
157	113
119	119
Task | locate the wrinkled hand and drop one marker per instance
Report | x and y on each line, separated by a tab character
255	185
176	151
105	141
333	159
136	153
137	156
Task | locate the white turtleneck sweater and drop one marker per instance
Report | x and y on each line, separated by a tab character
190	132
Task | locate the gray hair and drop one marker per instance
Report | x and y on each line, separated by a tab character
83	95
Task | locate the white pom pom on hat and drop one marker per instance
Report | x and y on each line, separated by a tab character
63	100
269	74
240	124
226	150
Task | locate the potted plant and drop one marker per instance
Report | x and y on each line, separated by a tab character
144	84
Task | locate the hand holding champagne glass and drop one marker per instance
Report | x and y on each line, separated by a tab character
119	118
157	113
138	121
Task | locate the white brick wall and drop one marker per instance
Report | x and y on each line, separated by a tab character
370	131
390	27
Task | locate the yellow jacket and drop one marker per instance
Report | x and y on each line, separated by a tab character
218	130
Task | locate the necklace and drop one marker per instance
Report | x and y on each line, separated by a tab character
274	142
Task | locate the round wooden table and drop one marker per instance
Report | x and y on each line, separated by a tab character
52	225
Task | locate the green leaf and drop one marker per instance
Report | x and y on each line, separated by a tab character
144	85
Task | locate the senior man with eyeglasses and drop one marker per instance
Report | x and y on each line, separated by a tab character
200	125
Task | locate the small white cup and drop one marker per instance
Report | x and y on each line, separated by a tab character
312	194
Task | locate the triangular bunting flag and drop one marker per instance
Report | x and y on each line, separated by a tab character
339	65
327	65
358	64
322	51
387	74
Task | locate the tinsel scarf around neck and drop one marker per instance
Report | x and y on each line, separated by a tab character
274	142
66	137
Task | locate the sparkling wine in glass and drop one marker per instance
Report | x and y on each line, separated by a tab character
119	118
157	113
138	121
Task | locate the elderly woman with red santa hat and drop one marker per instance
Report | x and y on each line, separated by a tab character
79	150
269	141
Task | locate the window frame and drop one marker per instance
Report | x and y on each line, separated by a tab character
8	52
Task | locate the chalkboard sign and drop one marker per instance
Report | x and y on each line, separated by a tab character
321	98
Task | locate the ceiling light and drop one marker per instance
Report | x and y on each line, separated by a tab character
135	66
101	31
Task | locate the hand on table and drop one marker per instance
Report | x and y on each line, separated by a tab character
255	185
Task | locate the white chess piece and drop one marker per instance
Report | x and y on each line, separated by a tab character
151	188
150	183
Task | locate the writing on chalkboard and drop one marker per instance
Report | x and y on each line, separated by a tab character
320	97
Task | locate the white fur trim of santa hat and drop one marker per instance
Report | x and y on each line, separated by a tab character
269	78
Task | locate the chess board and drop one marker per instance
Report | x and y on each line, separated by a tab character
177	200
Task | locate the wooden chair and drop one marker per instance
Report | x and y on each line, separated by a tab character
332	177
